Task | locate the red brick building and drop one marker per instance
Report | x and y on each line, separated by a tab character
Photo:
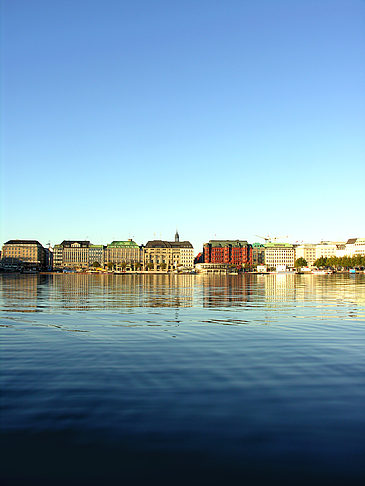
233	252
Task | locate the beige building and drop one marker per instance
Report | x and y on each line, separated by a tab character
123	253
328	249
306	251
96	255
279	254
71	254
159	255
29	252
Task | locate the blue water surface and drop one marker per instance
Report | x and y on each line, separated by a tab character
183	379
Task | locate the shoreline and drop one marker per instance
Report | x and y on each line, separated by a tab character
343	272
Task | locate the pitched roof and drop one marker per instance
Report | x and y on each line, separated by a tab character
82	243
225	243
22	242
168	244
119	244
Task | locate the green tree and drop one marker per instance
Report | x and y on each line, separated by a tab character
138	266
300	262
321	262
96	264
163	266
346	261
332	261
150	266
110	265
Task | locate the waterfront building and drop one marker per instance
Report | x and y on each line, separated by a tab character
354	247
306	251
28	252
48	261
57	256
71	254
279	254
123	253
232	252
212	268
258	254
96	255
328	249
162	255
199	258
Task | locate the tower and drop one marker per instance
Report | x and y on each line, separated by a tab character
176	237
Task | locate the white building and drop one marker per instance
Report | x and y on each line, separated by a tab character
279	254
328	249
187	257
355	246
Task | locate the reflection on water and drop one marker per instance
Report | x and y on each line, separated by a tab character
202	379
30	293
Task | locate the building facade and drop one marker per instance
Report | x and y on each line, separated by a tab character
306	251
159	255
230	252
328	249
123	253
355	246
212	268
29	252
71	254
258	254
96	255
279	254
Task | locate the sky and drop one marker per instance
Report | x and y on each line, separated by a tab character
223	119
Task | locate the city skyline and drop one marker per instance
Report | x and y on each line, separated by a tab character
179	256
262	240
129	120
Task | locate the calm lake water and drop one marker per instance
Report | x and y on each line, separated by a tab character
182	379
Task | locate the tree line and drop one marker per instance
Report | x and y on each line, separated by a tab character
357	261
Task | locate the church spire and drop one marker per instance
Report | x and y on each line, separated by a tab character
177	237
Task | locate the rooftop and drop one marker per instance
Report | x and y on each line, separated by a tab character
123	244
278	245
225	243
82	243
23	242
168	244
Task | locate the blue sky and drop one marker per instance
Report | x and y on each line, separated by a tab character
223	119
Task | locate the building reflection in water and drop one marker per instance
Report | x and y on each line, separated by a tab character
21	293
279	287
82	291
226	290
325	292
33	293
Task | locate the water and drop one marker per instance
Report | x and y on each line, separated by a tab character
182	379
